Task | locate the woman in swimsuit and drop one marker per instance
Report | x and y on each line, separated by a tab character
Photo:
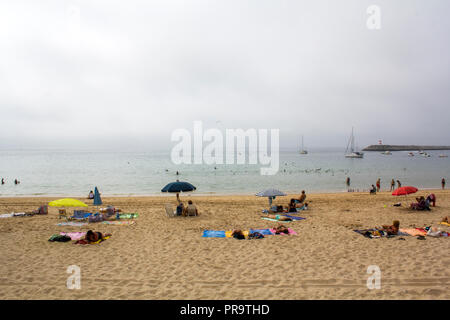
92	236
277	217
281	229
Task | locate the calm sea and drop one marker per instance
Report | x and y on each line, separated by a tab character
64	173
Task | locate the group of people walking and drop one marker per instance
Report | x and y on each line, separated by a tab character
377	187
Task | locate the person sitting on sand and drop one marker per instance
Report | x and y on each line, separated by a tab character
392	230
302	198
238	234
91	195
373	190
277	217
281	229
421	204
180	208
446	219
431	199
190	210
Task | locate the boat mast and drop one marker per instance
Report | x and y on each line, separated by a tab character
353	141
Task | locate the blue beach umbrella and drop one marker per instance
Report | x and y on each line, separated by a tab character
177	187
97	198
271	194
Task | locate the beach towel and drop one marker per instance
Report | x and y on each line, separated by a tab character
265	232
291	232
119	223
445	223
71	223
371	233
73	235
413	231
213	234
375	233
270	219
294	217
229	234
128	215
7	215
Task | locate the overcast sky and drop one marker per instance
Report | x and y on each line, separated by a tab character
125	74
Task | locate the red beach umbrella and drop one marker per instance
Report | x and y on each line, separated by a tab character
403	191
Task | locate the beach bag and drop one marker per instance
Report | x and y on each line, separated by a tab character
255	235
59	238
95	218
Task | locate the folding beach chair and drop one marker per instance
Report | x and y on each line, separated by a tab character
62	214
169	211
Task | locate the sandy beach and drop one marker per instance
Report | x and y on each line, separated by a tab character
167	258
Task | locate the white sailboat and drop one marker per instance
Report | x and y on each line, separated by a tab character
353	153
303	151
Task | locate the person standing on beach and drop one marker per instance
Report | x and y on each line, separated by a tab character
443	183
392	185
348	182
378	185
399	184
3	180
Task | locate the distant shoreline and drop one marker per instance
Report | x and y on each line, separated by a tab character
194	194
387	147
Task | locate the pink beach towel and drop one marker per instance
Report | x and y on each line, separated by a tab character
74	235
413	231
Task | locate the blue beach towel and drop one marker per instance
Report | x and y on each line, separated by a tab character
213	234
265	232
294	217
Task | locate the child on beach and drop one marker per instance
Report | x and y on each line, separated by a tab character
392	230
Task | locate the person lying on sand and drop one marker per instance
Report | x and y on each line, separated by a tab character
277	217
92	236
392	230
281	229
238	234
446	219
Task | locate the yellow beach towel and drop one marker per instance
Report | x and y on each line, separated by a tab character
228	234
